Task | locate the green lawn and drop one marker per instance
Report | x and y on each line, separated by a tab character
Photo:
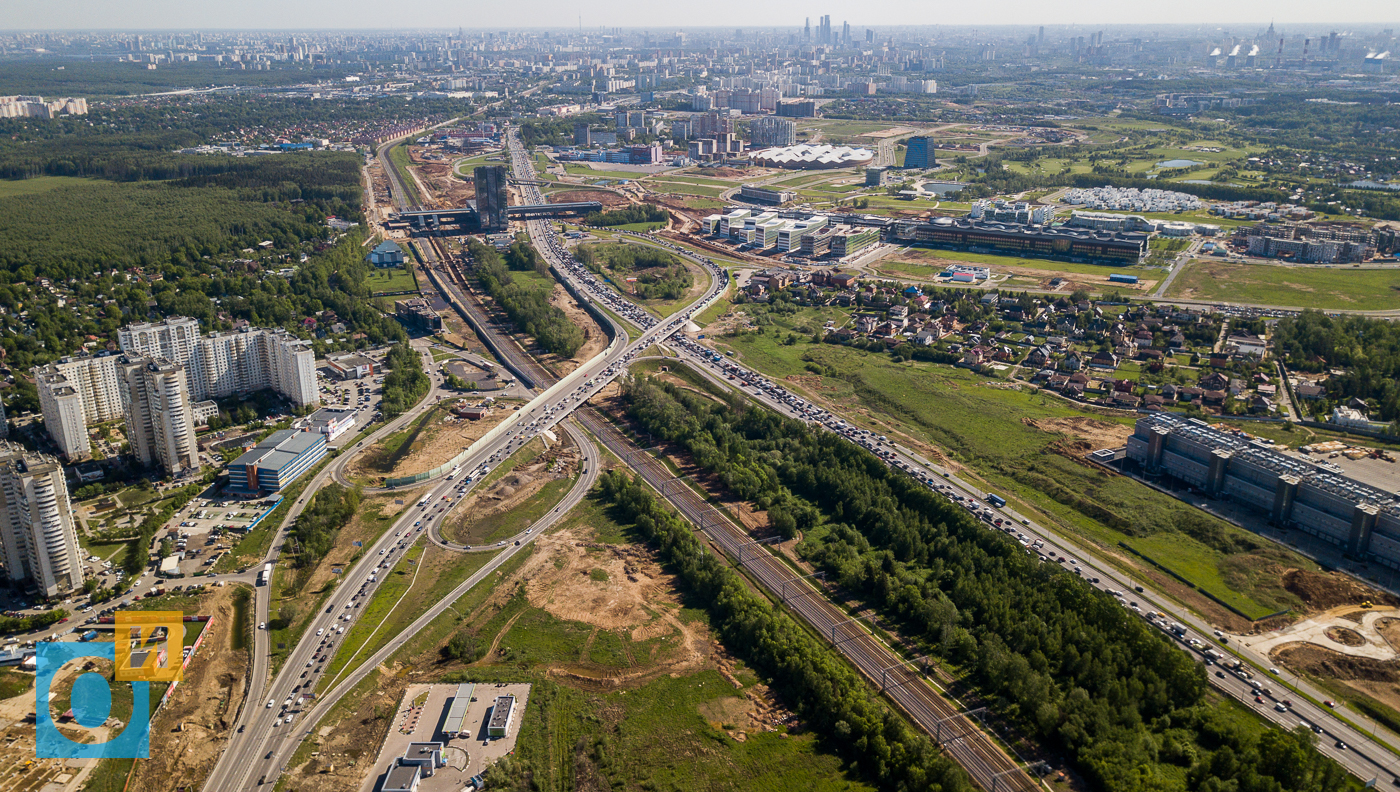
983	429
397	279
1302	287
928	262
584	170
684	188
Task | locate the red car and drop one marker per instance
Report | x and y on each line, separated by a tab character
1328	702
60	621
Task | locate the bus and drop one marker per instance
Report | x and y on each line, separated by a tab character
454	473
996	500
423	502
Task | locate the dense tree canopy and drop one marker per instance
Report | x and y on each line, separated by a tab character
528	308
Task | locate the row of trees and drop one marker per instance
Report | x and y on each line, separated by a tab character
138	554
637	213
528	308
405	384
660	275
1064	661
825	691
331	509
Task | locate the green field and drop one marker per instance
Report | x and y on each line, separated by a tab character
397	279
929	263
1300	287
983	428
39	184
584	170
503	525
686	188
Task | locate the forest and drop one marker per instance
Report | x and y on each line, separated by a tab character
405	384
660	275
1367	349
1067	664
823	690
315	530
637	213
554	131
528	308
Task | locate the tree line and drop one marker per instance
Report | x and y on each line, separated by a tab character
637	213
528	308
405	384
1067	663
660	275
823	689
331	509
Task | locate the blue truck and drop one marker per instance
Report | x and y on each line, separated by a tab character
88	636
996	500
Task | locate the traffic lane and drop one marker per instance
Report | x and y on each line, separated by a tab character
1231	683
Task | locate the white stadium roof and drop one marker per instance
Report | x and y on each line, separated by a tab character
805	156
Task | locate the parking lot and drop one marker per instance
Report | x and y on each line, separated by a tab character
363	395
206	528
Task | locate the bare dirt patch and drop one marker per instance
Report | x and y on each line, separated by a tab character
609	200
480	514
439	439
188	734
1390	631
1379	679
1098	434
1323	591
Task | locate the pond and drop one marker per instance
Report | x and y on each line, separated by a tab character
1177	163
942	188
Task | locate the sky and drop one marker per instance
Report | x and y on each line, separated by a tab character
478	14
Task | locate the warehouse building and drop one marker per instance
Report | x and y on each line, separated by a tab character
766	196
276	462
1361	519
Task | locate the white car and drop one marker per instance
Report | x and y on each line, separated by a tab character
262	625
321	630
269	703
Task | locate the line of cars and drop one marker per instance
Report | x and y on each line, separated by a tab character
1227	666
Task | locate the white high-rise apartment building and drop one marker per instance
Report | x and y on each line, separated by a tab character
75	393
37	533
159	416
176	339
223	364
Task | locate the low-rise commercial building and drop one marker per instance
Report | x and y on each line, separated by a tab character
764	195
416	313
1022	240
329	421
501	716
276	462
350	366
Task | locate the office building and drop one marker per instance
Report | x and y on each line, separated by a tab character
763	195
37	531
277	461
159	415
492	198
75	393
769	131
583	135
918	152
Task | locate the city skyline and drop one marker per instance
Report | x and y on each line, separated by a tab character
631	14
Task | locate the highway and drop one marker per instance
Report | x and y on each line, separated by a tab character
257	751
1267	696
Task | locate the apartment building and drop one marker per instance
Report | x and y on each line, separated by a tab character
77	392
160	422
224	364
37	534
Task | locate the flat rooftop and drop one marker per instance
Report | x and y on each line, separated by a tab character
280	449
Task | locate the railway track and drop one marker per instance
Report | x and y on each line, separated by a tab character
963	739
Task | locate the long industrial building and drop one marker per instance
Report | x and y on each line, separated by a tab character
276	462
1022	240
1362	520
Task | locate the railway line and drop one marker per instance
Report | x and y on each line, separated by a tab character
963	739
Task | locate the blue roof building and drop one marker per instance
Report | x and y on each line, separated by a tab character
276	462
386	254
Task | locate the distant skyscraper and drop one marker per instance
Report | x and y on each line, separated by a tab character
807	29
919	152
492	198
37	536
583	135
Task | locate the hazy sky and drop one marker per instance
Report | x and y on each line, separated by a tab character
341	14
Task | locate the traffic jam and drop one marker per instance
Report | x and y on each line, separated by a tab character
991	509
